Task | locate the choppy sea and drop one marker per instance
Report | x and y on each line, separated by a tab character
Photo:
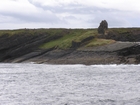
42	84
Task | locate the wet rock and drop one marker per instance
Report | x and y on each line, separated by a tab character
133	50
138	58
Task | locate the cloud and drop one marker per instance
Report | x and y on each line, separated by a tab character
25	12
68	13
114	4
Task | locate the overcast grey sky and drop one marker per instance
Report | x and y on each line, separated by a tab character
16	14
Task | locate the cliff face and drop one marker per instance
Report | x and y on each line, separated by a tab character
17	45
21	43
25	46
122	34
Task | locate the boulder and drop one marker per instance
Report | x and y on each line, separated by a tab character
102	27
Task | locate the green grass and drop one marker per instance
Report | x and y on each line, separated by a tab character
67	36
31	31
66	41
77	36
85	35
99	42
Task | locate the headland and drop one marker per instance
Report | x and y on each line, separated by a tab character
71	46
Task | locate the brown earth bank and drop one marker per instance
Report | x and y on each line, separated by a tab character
24	47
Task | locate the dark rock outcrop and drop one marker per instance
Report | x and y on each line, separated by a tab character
20	44
122	34
75	44
102	27
134	50
78	44
130	55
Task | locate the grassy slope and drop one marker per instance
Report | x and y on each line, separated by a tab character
76	35
99	42
65	42
67	36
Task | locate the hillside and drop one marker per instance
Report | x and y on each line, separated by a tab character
55	45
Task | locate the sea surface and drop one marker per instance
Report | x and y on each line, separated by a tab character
42	84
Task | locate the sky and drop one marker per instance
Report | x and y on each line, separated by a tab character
15	14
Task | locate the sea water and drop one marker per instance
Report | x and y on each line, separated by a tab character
42	84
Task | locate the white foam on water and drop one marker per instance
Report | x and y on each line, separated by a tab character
41	84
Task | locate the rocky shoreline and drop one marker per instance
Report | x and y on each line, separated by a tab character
116	53
24	46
